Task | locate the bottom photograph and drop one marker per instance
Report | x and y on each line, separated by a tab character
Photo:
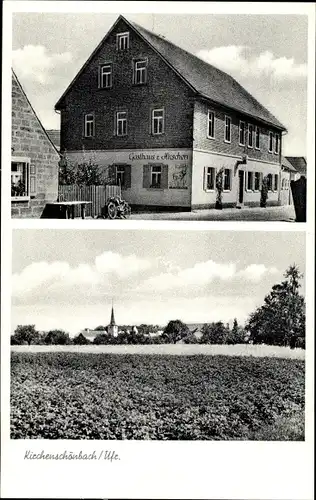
158	335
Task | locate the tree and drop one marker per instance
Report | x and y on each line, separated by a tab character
81	340
57	337
175	331
236	335
214	333
25	334
102	339
100	328
281	318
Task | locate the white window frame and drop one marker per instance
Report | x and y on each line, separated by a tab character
254	182
210	120
120	120
27	162
107	74
155	172
257	134
228	128
276	144
270	139
244	133
250	135
209	171
122	37
142	71
230	180
87	123
159	120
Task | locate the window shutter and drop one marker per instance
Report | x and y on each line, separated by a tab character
111	177
260	180
32	180
205	179
128	175
164	177
146	176
231	179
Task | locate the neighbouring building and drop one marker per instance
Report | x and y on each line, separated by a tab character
34	159
288	174
54	136
166	123
300	165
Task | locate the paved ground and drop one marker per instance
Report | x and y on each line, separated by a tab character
284	214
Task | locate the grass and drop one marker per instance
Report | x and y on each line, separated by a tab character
63	395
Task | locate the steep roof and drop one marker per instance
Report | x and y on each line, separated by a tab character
299	163
204	79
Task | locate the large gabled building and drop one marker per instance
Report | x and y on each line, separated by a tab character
165	123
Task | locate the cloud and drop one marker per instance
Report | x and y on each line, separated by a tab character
122	266
203	274
60	276
238	61
34	63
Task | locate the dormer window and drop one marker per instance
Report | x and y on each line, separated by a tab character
122	41
105	76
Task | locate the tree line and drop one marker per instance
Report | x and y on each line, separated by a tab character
279	321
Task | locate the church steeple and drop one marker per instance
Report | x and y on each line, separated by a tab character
112	328
112	322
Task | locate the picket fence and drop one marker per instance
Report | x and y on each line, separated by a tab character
97	194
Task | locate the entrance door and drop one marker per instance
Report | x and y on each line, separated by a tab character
241	176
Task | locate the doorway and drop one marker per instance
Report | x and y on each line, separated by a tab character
241	177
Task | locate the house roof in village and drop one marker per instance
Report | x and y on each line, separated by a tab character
287	164
15	78
54	136
299	163
204	79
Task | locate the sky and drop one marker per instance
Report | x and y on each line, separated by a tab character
153	276
267	54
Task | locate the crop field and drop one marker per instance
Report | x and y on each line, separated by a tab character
68	395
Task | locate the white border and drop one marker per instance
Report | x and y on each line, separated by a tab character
159	469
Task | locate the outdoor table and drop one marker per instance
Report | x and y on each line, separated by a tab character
70	207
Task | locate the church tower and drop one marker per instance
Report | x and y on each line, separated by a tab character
113	328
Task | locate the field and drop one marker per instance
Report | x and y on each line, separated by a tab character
69	395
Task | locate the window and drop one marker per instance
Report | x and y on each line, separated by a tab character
158	121
257	181
270	142
227	179
122	41
228	123
249	181
269	182
209	178
211	125
156	177
140	72
89	125
121	123
120	175
241	133
277	144
23	178
250	136
105	81
276	182
257	145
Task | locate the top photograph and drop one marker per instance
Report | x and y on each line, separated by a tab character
159	117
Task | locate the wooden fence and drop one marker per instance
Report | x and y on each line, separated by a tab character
97	194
